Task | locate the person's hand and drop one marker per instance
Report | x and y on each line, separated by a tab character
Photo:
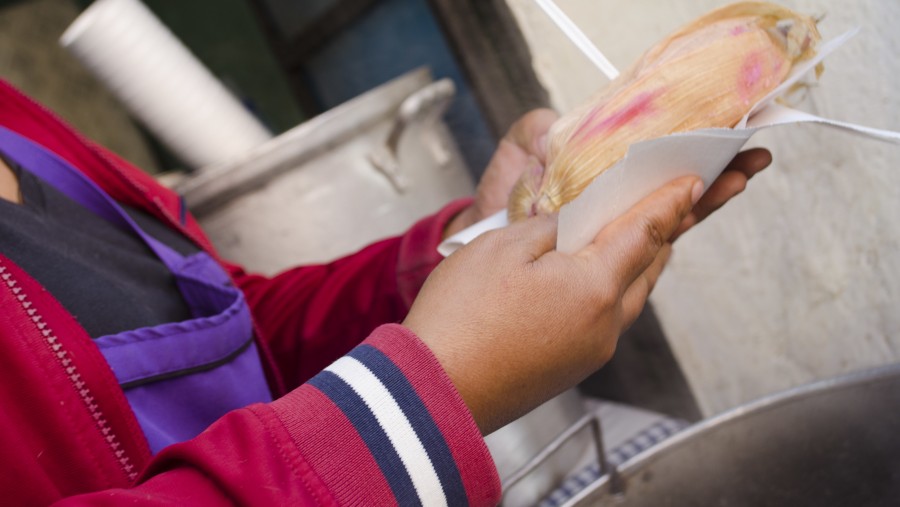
514	322
523	148
729	184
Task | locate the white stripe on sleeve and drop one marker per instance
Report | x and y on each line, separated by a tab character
397	427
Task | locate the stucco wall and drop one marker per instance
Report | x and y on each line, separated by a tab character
798	279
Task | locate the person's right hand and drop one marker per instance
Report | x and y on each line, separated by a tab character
514	322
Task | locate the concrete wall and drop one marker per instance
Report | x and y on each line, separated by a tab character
798	279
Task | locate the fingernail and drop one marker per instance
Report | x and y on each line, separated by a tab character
696	192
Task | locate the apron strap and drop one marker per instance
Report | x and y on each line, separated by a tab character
60	174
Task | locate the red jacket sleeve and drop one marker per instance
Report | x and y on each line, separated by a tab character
310	316
381	426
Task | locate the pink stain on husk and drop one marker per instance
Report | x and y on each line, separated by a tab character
738	30
640	106
751	76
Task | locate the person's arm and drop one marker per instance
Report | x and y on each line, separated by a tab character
506	323
382	280
535	321
311	315
382	426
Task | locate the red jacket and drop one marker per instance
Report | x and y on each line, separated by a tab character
329	438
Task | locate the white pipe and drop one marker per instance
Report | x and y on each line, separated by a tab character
162	83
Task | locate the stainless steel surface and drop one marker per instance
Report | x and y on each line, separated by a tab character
590	424
834	443
518	443
424	107
313	194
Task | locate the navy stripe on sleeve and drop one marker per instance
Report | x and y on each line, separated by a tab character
353	406
426	429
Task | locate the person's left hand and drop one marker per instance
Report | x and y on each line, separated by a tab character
524	148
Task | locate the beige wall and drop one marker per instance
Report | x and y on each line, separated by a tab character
799	279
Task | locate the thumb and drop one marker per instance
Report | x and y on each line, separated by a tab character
530	132
631	242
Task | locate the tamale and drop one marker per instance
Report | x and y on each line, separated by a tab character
708	74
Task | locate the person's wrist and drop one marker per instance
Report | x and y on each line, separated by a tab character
453	360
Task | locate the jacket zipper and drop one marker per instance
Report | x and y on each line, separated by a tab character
65	362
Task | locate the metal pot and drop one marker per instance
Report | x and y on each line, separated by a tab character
524	441
363	171
833	443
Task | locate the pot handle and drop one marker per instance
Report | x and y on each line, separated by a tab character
606	468
425	106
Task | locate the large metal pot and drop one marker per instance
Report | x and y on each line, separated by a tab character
518	443
363	171
834	443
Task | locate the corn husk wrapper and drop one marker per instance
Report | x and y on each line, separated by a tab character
708	74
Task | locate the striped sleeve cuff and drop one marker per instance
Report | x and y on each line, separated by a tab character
384	425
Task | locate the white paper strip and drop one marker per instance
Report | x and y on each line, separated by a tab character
776	115
800	71
465	236
581	41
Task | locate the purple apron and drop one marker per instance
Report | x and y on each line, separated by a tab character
178	377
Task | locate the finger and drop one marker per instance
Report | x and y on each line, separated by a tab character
530	132
733	180
726	187
530	238
629	244
636	295
751	162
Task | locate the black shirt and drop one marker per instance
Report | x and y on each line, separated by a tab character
103	275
